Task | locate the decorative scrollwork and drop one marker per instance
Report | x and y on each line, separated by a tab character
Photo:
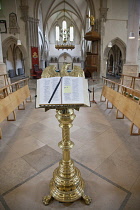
50	71
87	199
46	200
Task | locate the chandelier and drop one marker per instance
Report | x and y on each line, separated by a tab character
64	37
65	44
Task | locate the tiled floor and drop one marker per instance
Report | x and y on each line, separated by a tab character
107	156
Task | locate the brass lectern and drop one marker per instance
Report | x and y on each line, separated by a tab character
67	184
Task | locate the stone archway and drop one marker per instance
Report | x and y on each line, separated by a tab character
65	58
13	41
122	48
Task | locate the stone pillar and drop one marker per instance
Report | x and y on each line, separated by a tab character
131	65
31	25
2	67
103	16
32	35
1	54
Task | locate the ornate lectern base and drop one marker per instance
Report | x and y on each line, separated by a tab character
67	184
47	199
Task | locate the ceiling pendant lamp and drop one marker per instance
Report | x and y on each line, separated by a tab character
110	44
131	35
18	42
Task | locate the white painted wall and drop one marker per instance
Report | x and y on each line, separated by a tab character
119	30
139	56
115	26
116	23
9	65
9	7
18	65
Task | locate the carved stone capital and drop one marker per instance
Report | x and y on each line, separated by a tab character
33	20
103	13
24	12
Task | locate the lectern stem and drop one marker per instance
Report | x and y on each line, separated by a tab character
67	184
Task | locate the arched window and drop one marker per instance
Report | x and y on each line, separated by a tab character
71	33
64	28
67	34
57	33
89	18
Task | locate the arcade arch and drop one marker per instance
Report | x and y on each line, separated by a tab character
15	56
114	57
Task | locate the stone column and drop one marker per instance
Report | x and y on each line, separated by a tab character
1	54
2	67
131	65
32	31
31	25
103	16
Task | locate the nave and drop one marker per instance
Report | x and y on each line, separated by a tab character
107	156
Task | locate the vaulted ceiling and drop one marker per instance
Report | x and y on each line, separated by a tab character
75	10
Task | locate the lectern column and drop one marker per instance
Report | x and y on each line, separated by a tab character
67	184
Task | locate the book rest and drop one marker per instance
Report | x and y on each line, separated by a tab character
67	184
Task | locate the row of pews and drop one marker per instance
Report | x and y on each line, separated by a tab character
125	99
13	96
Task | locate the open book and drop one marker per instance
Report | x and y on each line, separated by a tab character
62	90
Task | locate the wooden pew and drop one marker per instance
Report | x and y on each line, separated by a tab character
133	80
11	101
112	96
6	108
136	121
129	92
129	108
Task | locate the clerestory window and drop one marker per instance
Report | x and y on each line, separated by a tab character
64	28
57	33
65	33
71	34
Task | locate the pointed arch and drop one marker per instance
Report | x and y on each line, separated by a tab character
12	40
117	41
64	57
115	69
65	53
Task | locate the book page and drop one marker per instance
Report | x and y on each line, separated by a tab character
86	93
45	89
72	90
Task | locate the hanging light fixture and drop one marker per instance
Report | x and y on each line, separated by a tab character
64	42
18	41
110	44
131	35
